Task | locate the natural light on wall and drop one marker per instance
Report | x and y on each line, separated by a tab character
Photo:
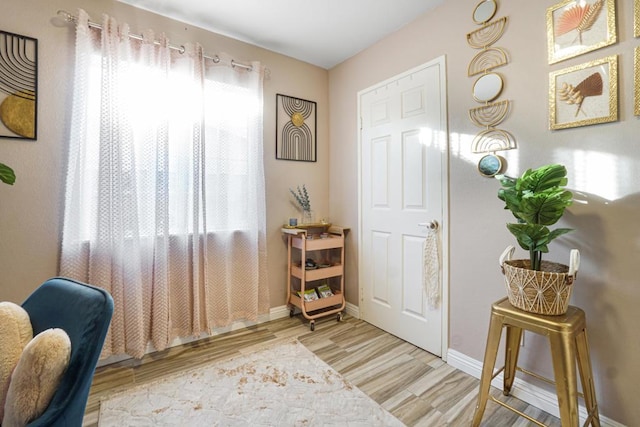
595	172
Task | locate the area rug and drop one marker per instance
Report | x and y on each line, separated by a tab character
284	384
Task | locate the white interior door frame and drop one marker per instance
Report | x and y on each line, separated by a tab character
441	61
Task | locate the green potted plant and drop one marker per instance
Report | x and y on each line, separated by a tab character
537	199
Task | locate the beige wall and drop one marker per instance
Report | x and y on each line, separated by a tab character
603	163
31	210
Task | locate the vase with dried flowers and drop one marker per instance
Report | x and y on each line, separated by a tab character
301	196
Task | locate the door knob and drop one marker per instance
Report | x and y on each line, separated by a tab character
432	225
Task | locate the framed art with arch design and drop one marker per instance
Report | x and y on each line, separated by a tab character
18	86
296	129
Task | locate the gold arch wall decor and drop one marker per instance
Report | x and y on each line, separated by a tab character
585	94
576	27
492	140
487	59
490	115
18	86
488	34
487	88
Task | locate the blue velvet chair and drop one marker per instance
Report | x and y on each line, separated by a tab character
84	312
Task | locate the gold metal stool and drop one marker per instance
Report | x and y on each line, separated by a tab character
568	338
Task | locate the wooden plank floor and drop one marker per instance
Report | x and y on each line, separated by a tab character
414	385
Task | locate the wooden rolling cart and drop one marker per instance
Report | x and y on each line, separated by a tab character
323	245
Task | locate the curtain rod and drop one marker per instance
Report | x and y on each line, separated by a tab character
68	17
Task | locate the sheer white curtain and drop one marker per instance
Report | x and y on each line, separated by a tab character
165	204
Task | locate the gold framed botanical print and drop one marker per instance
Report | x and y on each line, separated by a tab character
636	80
575	27
585	94
636	19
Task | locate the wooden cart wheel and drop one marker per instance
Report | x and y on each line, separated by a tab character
339	317
292	312
312	326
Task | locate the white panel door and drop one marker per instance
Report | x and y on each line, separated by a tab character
403	186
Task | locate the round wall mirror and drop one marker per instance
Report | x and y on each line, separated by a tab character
484	11
487	87
491	165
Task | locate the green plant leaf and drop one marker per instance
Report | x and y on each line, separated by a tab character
531	236
6	174
559	232
542	178
546	207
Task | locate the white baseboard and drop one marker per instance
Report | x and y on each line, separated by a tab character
529	393
352	310
274	313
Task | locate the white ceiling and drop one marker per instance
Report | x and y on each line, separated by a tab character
320	32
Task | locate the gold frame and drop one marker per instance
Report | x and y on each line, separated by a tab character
636	79
571	94
601	30
636	19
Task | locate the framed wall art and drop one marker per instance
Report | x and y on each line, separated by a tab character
636	18
295	129
18	86
575	27
586	94
636	79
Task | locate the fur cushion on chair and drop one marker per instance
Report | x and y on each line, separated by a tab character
15	333
36	377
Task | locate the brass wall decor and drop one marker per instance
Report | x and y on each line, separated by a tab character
487	88
586	94
487	35
487	59
491	165
575	27
484	11
491	140
18	86
636	79
295	129
490	115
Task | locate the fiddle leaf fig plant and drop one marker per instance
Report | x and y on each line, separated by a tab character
6	174
537	199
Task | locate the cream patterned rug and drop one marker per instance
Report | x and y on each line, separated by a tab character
284	384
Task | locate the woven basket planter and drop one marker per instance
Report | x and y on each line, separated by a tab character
542	292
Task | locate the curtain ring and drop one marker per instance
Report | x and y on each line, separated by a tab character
182	49
216	59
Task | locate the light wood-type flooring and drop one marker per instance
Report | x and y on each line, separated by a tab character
415	386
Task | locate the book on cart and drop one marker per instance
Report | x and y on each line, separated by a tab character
309	295
325	291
